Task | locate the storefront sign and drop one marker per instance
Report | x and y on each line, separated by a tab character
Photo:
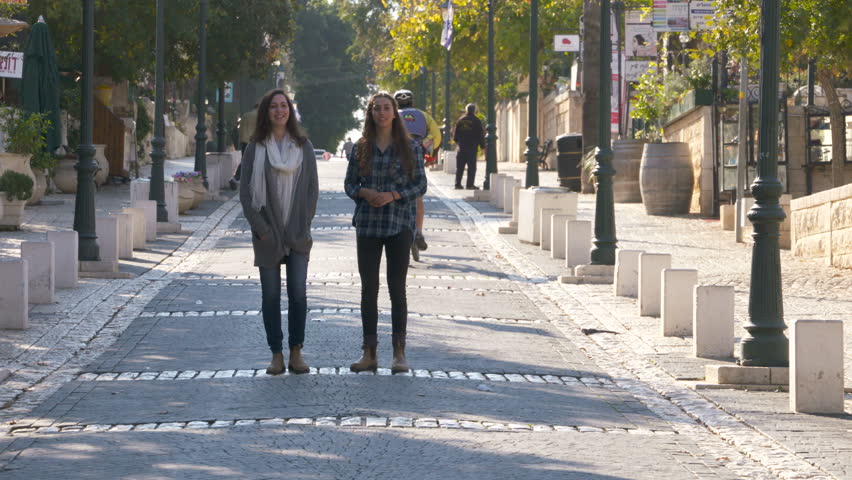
11	64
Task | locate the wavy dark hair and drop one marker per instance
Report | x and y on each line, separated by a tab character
400	139
263	128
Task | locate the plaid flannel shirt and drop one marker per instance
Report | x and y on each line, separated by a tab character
386	175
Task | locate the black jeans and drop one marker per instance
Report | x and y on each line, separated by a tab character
397	251
297	301
466	158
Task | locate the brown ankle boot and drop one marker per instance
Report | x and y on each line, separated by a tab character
368	360
297	364
399	364
276	366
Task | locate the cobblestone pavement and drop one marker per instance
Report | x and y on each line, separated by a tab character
162	376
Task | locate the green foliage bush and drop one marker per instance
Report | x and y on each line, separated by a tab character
26	133
17	186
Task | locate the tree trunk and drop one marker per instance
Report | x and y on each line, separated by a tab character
591	80
838	128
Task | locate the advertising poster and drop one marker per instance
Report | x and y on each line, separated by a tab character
677	12
641	39
659	16
699	14
635	69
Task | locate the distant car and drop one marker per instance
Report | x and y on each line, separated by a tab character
321	154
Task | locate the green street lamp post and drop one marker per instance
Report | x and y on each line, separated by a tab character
84	203
220	125
531	153
490	128
432	85
201	128
604	243
765	343
158	143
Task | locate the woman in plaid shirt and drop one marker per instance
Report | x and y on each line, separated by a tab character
385	177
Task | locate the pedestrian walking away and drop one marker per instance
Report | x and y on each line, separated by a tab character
385	177
347	147
279	191
248	123
423	129
469	136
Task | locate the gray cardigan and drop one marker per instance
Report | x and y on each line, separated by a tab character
296	235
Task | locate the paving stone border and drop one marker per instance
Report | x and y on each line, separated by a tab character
713	429
332	311
353	284
592	382
349	215
476	278
337	421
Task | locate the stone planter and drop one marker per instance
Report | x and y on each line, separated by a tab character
65	175
17	162
666	178
103	164
13	213
186	196
39	186
200	194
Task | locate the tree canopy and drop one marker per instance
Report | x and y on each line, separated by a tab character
329	83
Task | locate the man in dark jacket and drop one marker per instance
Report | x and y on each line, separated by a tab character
469	135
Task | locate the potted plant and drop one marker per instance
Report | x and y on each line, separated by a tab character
25	143
190	190
15	189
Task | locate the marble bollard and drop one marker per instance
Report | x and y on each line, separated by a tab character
650	267
578	242
546	215
14	293
140	226
449	158
516	200
65	251
532	200
816	366
677	303
558	237
626	282
41	265
713	321
509	184
125	235
140	188
107	231
500	201
150	209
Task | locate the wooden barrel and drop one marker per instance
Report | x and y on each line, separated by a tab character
627	156
665	178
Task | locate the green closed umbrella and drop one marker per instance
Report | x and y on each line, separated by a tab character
40	81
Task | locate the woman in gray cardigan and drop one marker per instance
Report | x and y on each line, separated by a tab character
279	191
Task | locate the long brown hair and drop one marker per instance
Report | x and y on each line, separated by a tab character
263	127
400	139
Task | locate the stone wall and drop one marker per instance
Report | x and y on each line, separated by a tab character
797	176
695	129
512	130
558	114
822	226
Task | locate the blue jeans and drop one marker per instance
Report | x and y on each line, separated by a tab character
297	301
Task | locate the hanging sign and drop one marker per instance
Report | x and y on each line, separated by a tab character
635	69
566	43
700	13
11	64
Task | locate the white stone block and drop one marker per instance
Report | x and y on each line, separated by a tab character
41	265
545	226
140	226
65	251
214	176
816	366
449	161
745	205
107	231
493	179
14	294
516	200
499	200
626	282
140	188
150	209
650	266
726	216
578	242
509	185
125	234
532	200
557	234
676	312
713	321
221	162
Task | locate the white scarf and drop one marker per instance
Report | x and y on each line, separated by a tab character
285	163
